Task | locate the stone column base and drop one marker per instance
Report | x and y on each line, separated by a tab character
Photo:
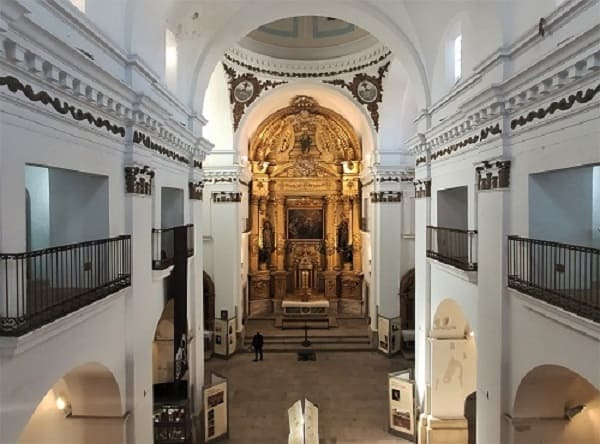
443	431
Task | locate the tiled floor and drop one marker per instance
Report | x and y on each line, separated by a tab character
349	388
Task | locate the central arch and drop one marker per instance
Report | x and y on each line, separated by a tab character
368	17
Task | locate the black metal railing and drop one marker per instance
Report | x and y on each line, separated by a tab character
38	287
453	246
567	276
163	246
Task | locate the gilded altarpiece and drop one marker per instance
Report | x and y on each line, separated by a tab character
305	239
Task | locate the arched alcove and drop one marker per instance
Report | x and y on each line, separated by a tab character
82	406
556	405
162	346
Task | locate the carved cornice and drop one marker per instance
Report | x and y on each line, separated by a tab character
226	196
420	160
422	188
60	106
145	140
197	164
244	89
367	90
492	175
386	196
138	179
216	176
236	56
476	138
564	104
196	190
114	109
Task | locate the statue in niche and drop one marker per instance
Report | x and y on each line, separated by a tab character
268	235
344	249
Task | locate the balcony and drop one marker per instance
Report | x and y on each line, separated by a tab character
567	276
163	246
38	287
453	247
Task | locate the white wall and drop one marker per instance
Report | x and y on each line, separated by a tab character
561	206
37	184
452	208
171	207
78	206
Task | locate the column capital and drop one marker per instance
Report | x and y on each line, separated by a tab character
493	174
196	190
386	196
226	196
422	188
138	179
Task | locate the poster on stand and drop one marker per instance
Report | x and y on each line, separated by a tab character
383	333
216	409
220	337
395	335
401	400
231	336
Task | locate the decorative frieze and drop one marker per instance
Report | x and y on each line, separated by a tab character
60	106
421	160
143	139
196	190
367	90
422	188
493	175
138	179
386	196
347	69
483	135
226	196
407	175
563	104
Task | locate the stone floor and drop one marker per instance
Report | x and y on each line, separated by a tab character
349	388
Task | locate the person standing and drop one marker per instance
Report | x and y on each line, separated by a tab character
257	343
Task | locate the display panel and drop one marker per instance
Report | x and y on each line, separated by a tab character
401	391
305	223
215	409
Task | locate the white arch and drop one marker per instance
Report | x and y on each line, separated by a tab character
368	17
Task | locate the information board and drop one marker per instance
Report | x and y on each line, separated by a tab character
216	416
401	397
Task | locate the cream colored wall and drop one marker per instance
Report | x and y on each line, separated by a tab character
48	425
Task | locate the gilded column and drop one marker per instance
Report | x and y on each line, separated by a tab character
330	233
254	234
280	275
356	238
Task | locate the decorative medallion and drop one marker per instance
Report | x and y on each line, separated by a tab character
244	89
367	90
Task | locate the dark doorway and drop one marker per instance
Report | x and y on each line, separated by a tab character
470	414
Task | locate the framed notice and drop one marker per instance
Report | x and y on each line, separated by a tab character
216	409
401	400
225	337
383	334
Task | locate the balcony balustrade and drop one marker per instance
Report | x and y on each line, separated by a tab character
567	276
38	287
453	246
163	246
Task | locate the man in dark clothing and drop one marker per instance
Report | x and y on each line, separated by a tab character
257	343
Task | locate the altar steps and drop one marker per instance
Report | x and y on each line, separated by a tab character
293	343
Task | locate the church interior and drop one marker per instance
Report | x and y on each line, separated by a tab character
261	221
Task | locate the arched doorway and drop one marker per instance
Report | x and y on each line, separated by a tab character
407	300
82	406
209	301
162	346
556	405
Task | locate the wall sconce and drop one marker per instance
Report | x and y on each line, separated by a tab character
571	412
63	405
